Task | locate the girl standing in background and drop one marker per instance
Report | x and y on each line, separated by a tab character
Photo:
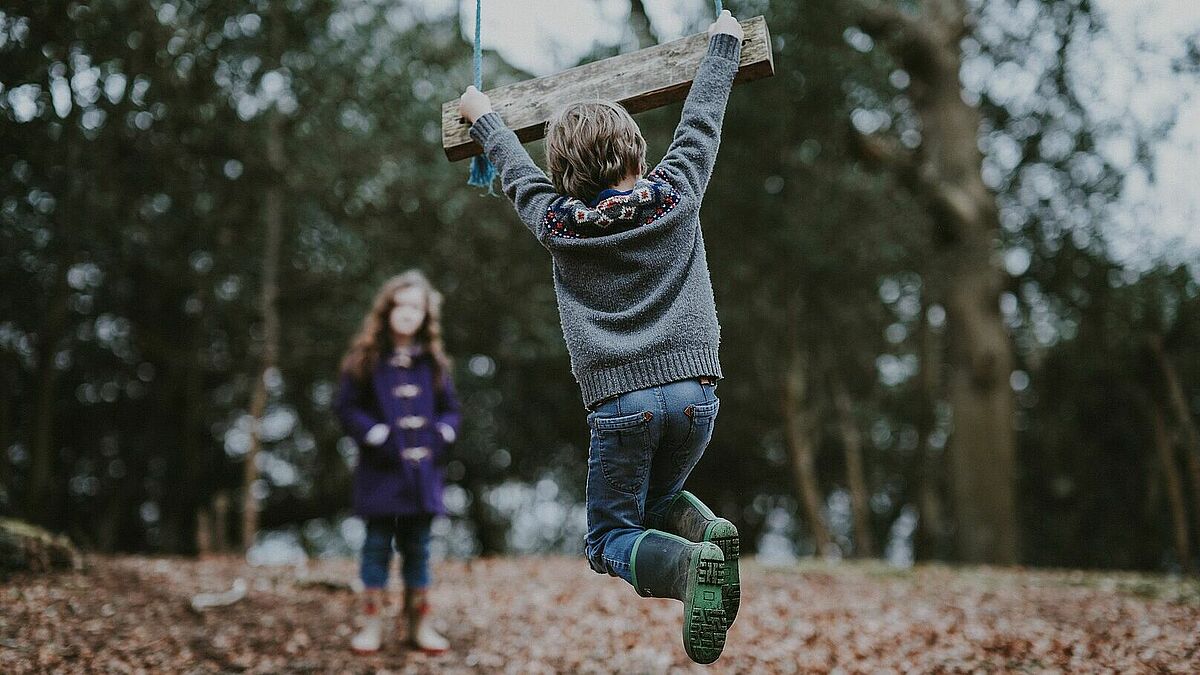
397	401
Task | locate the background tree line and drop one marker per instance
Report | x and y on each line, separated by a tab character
926	336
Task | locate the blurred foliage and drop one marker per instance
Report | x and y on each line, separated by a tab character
132	164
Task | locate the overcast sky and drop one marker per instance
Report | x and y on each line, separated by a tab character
1141	89
1136	91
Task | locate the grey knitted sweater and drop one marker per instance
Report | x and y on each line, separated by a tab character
634	294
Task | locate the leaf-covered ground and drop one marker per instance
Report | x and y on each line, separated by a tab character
543	615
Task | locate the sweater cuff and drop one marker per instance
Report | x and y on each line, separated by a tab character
485	126
725	46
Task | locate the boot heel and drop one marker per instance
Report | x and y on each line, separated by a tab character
722	533
711	572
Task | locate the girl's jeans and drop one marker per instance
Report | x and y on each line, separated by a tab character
644	444
411	535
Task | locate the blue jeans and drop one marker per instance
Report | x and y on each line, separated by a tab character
411	536
644	445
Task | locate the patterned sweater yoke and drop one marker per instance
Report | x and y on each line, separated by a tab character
630	274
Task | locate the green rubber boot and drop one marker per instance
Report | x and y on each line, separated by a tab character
664	565
689	518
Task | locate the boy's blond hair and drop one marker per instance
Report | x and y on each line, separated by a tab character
591	146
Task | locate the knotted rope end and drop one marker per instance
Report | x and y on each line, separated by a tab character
483	174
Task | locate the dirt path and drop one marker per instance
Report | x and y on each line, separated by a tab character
544	615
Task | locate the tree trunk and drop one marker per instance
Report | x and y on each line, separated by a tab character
798	426
220	522
983	447
860	499
1179	406
273	219
1166	456
931	540
106	530
204	531
43	490
113	517
186	479
491	534
194	444
10	378
945	175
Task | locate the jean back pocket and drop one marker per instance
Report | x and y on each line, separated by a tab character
622	445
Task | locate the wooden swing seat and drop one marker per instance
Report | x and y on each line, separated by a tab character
642	80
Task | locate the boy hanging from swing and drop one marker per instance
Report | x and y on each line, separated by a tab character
640	323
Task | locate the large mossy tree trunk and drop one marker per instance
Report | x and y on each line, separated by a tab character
944	174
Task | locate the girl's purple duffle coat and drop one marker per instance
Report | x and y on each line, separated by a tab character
405	475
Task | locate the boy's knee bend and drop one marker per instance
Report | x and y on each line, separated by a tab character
595	557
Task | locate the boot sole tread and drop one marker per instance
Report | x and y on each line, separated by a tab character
704	619
725	536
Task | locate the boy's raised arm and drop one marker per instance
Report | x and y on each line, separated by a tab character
693	152
522	181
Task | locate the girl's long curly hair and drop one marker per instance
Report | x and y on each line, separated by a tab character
375	336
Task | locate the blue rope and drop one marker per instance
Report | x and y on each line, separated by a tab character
479	44
482	172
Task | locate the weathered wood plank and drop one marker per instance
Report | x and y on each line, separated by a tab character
641	80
